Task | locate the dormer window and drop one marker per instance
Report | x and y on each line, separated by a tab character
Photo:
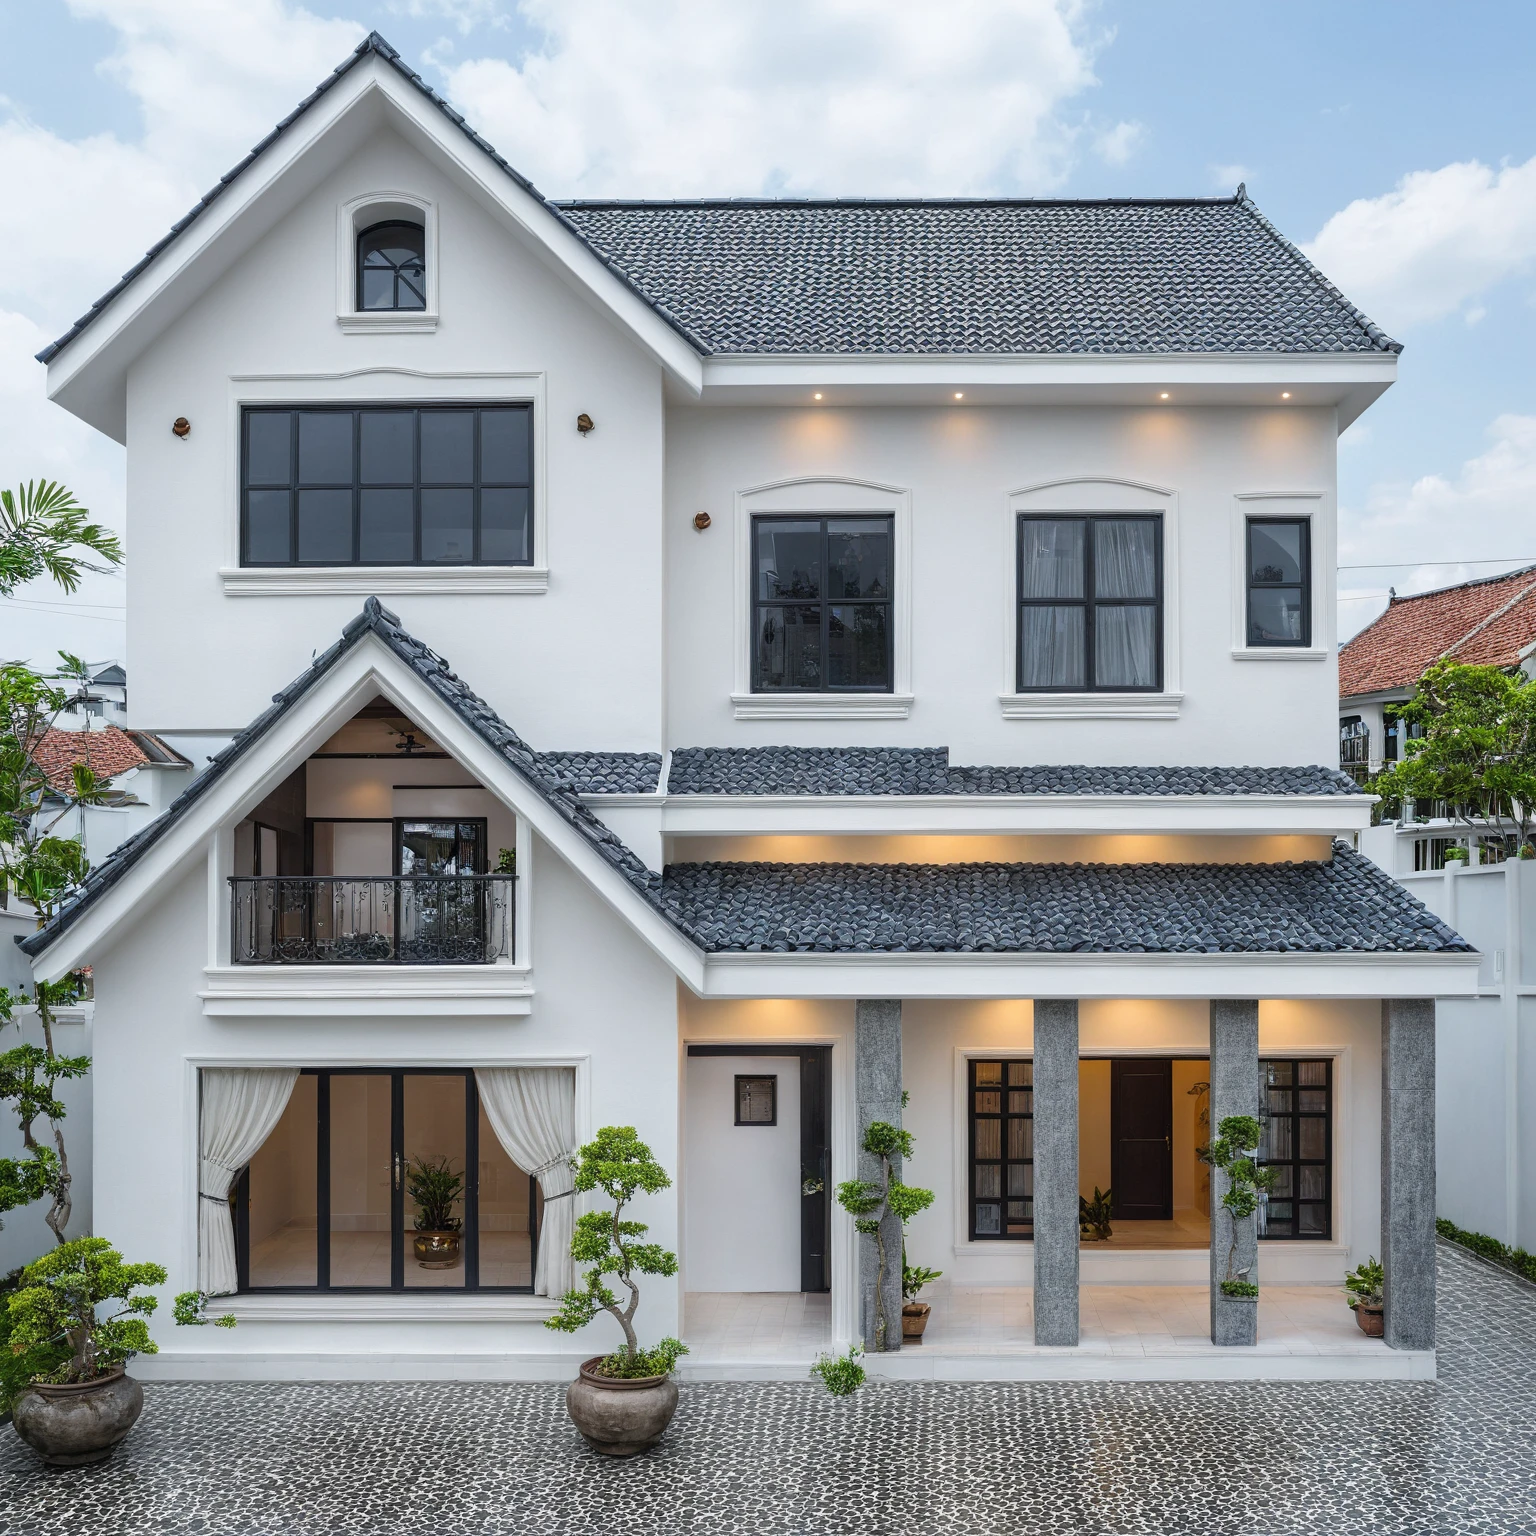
392	267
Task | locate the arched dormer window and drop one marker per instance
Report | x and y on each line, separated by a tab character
392	267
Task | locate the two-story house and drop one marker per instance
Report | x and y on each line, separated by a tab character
722	667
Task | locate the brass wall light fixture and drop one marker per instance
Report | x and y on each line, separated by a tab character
701	521
584	423
181	427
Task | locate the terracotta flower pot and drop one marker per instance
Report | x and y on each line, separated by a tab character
620	1417
71	1426
914	1318
1371	1321
438	1250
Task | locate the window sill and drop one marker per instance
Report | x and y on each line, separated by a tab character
392	322
821	706
1090	706
371	580
373	991
431	1307
1279	653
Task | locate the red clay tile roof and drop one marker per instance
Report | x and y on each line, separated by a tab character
1486	622
108	753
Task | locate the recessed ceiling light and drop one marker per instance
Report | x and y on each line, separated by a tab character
1285	394
816	396
1163	396
959	395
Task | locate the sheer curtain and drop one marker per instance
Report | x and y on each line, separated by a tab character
533	1113
1125	638
240	1107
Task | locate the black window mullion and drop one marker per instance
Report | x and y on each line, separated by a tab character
416	488
397	1181
471	1183
1091	610
826	607
323	1181
357	487
293	494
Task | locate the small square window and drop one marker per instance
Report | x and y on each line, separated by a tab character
757	1100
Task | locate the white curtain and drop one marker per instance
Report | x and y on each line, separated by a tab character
533	1112
241	1105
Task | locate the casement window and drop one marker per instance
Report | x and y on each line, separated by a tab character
1296	1141
1002	1150
1090	604
821	604
392	267
386	485
1279	567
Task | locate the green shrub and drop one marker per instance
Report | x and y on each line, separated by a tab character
1365	1284
1239	1288
622	1366
1490	1248
841	1375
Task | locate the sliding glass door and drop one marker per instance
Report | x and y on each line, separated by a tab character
380	1180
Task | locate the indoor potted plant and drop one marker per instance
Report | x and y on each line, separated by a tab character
914	1313
432	1183
1093	1216
77	1401
623	1402
1365	1285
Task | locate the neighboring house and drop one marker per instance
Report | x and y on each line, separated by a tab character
1488	622
1486	1146
713	667
102	698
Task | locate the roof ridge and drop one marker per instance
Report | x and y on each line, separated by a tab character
1498	613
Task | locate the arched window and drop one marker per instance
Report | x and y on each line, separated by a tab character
392	267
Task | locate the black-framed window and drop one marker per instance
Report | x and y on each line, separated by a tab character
757	1099
1090	603
1279	581
822	604
1296	1141
1002	1150
392	267
386	485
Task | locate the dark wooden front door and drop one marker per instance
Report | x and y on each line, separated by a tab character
1141	1138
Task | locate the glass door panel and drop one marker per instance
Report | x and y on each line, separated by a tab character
362	1181
281	1236
436	1180
509	1214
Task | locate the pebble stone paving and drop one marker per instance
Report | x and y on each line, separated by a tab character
1207	1459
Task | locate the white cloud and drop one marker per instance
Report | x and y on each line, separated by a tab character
1116	145
1432	245
682	97
466	15
1228	176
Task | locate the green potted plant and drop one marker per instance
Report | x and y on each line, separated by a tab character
76	1400
435	1187
914	1313
623	1402
1237	1137
1365	1296
1093	1216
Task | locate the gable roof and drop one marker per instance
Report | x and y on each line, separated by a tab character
973	276
1487	622
106	753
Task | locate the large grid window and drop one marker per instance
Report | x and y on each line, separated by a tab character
821	604
1002	1161
387	485
1090	594
1296	1140
1279	581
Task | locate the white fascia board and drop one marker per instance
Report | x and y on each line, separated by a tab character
982	815
368	668
1198	976
403	991
88	376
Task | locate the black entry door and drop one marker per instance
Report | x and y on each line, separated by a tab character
1141	1138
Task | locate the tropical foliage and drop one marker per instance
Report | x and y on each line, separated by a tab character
1093	1215
435	1185
1365	1284
41	529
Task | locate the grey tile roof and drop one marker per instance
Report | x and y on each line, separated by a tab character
1348	904
603	773
959	275
977	276
927	771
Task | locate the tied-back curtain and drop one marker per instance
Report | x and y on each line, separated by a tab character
241	1106
533	1113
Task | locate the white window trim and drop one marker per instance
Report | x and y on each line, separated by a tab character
356	215
1073	497
385	386
825	495
1295	504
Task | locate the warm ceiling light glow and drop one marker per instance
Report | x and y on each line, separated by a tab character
816	396
1163	396
1285	394
958	395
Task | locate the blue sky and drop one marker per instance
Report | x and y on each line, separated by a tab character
1397	136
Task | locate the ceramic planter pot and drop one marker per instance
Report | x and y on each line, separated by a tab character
1371	1321
620	1418
914	1318
71	1426
438	1250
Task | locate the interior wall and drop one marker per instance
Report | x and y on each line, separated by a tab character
1191	1178
1093	1127
283	1184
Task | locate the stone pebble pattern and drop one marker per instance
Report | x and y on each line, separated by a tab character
928	771
1456	1457
1347	904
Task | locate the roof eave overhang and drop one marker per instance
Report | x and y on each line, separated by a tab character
1361	976
1394	694
1345	382
88	375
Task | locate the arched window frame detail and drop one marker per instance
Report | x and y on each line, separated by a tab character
362	213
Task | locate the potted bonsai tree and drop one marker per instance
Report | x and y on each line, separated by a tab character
623	1402
914	1313
1236	1139
78	1401
1365	1299
435	1187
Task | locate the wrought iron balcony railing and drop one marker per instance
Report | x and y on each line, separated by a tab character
355	920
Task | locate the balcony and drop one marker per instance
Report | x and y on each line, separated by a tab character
364	921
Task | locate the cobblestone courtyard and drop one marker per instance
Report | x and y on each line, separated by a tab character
1241	1459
